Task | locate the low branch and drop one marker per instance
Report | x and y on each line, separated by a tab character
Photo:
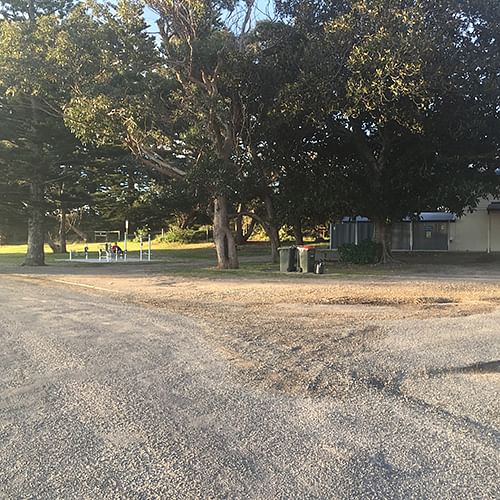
154	161
252	215
163	168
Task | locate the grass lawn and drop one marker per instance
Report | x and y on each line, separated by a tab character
201	255
199	260
192	260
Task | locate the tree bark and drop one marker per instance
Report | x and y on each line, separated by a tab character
225	245
35	255
272	229
241	235
297	231
62	232
52	244
79	233
238	227
383	235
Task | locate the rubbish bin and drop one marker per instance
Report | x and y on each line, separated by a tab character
288	259
305	259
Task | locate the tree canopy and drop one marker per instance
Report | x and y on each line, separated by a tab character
380	108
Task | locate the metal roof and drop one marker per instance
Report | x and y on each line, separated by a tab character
494	206
423	216
437	216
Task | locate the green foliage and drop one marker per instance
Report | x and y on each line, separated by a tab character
381	82
365	252
141	233
373	107
176	234
286	233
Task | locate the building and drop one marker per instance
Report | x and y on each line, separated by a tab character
478	231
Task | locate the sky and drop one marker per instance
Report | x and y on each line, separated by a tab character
264	9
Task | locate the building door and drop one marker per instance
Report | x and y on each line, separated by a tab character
430	236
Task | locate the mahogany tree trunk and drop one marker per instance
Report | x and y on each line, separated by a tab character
52	244
62	232
271	228
238	227
274	239
79	233
242	233
250	228
297	231
35	255
225	245
383	235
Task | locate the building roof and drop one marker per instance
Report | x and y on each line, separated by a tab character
423	216
437	216
494	206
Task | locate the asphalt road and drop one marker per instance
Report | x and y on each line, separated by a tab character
100	399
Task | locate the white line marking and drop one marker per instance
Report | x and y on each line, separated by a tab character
86	286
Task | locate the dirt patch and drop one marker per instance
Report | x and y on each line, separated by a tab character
295	336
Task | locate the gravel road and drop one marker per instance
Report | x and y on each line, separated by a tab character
100	399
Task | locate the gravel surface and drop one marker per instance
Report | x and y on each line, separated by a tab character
101	397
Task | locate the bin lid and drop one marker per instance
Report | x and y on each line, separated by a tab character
306	247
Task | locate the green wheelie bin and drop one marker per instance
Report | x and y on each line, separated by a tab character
288	259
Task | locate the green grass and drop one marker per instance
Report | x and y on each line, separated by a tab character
193	260
199	261
199	254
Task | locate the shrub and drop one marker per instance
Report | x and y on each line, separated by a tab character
286	233
365	252
141	232
175	234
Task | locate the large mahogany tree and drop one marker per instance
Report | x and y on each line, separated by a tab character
405	99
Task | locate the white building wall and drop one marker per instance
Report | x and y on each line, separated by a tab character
470	232
495	231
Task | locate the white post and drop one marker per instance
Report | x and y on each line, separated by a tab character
140	248
70	255
116	256
411	236
125	238
356	232
489	232
149	247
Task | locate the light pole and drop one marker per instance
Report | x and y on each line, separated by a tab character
125	240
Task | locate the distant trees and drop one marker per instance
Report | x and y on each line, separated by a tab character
36	149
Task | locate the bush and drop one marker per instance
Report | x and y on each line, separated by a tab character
141	232
175	234
365	252
286	234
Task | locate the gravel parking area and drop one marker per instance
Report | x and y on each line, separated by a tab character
300	336
132	385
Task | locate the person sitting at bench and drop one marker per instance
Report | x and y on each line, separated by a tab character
116	249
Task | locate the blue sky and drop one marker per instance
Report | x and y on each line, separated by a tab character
264	8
